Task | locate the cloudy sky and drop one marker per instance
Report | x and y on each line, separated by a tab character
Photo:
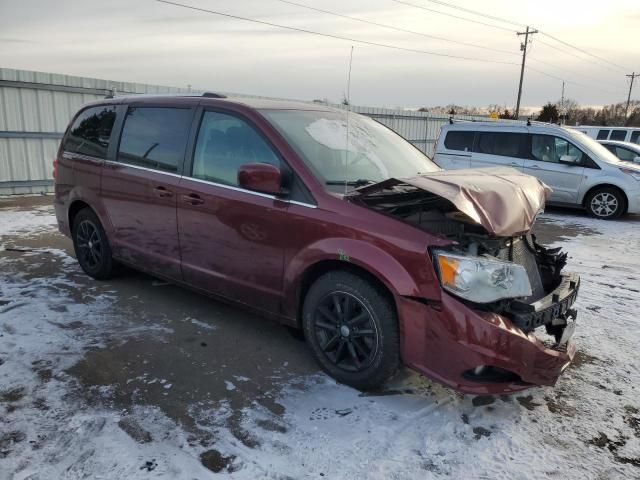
151	42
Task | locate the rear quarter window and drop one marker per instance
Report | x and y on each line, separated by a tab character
625	154
635	136
90	133
618	135
505	144
459	140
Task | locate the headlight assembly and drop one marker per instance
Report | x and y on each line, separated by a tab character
630	171
481	279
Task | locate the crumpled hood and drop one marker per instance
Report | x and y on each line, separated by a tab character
503	200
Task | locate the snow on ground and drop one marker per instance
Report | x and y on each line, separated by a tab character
587	426
26	222
47	431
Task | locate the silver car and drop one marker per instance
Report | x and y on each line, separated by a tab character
581	172
625	151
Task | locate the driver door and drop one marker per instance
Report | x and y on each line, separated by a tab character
231	239
564	178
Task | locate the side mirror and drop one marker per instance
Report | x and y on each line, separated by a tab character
260	177
636	159
569	160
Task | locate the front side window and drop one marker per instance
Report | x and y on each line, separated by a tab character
625	154
635	137
549	148
91	132
155	137
603	134
500	143
459	140
339	147
618	135
225	143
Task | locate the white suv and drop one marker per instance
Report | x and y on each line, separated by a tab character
580	171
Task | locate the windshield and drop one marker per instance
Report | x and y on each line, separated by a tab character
596	147
374	152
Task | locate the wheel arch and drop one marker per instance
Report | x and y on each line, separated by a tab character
316	270
74	208
606	185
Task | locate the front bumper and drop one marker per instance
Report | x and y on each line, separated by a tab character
634	202
446	340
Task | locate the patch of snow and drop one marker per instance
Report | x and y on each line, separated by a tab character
47	430
27	222
204	325
229	385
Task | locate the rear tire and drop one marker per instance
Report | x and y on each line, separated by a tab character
605	203
91	245
352	328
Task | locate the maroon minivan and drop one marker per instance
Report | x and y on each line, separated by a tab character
329	222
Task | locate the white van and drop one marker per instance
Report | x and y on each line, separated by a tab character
581	172
621	134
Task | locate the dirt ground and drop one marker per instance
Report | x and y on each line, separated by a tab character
201	365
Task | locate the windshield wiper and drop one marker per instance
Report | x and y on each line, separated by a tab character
351	183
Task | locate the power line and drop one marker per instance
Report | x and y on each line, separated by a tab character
337	37
583	51
567	52
391	27
552	65
454	16
353	40
504	20
546	74
474	12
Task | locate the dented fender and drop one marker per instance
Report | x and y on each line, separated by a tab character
395	276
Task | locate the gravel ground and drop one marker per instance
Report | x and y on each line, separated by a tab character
134	378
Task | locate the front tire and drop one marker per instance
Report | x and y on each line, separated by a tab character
352	328
605	203
91	245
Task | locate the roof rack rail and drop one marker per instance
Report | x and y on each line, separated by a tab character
213	95
114	94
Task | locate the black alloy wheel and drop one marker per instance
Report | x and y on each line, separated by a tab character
345	331
350	323
89	245
92	245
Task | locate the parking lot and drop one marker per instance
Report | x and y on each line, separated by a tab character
142	379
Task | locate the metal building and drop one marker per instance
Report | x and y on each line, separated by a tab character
36	107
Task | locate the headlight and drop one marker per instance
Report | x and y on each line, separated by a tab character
481	279
630	171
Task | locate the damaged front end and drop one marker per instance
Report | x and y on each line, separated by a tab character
493	266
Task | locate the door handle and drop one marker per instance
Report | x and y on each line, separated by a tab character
534	167
192	199
514	164
162	192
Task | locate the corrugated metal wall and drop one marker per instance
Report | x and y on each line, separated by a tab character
35	108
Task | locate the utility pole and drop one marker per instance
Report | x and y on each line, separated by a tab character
632	77
523	47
